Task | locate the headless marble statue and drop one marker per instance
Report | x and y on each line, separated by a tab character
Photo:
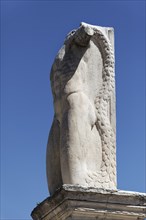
82	141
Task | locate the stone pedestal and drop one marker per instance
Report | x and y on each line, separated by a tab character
78	203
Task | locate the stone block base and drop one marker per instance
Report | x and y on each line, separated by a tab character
78	203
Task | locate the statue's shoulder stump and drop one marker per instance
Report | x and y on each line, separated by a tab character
78	203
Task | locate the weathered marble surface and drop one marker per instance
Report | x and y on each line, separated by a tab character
82	141
81	203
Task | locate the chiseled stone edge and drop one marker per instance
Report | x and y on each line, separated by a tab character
101	201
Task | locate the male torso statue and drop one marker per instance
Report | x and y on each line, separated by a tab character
81	145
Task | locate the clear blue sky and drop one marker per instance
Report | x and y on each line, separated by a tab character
31	34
